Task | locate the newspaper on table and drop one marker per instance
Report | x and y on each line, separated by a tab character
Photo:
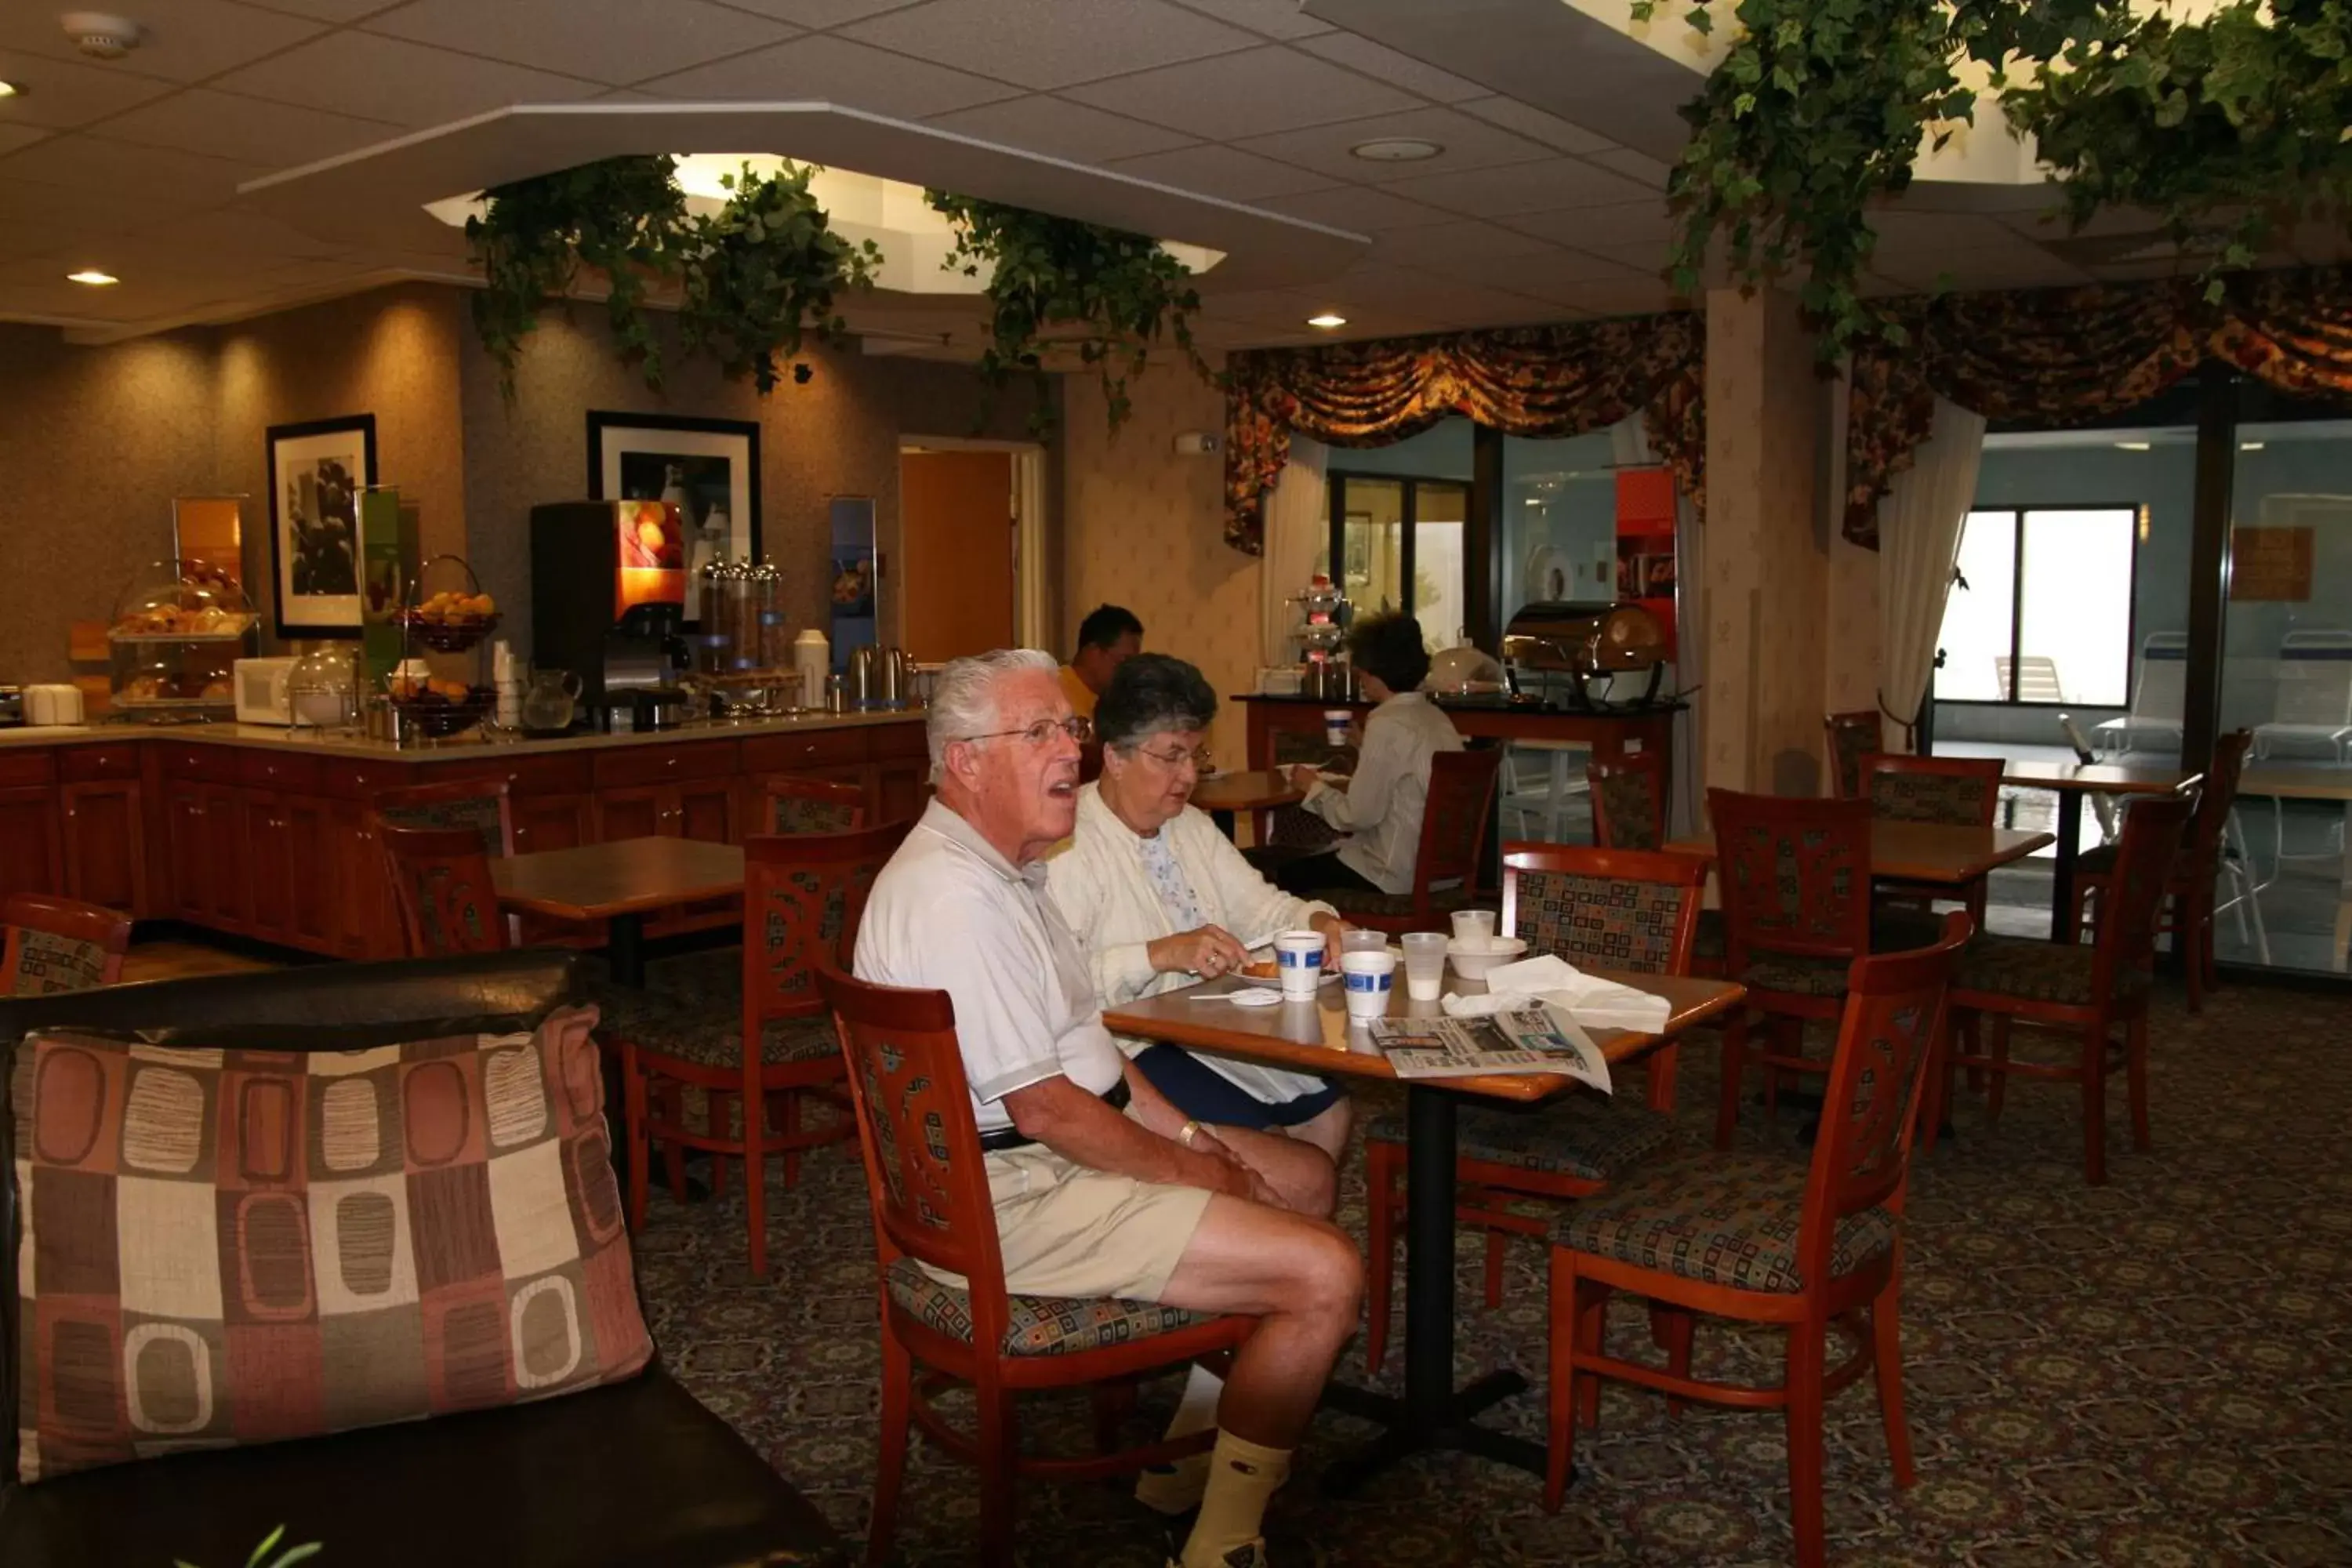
1537	1038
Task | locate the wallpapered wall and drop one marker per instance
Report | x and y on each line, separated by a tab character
1143	530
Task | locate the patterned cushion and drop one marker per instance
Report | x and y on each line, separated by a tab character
1586	1136
1720	1219
1630	807
1714	937
2033	970
797	814
1036	1325
1605	922
1359	901
477	814
1891	931
1850	741
1951	798
226	1247
1297	828
44	963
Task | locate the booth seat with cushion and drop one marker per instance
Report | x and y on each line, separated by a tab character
340	1249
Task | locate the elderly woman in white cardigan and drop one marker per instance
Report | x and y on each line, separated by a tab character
1161	899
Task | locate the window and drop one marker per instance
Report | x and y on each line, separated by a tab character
1387	532
2043	611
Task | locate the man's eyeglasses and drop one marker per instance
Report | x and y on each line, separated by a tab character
1175	759
1077	727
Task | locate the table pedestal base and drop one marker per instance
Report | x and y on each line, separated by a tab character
1457	1433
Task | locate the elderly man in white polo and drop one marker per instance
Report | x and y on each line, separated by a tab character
1101	1187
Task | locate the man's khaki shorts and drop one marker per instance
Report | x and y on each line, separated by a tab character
1069	1230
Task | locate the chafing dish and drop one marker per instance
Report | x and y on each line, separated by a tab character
1619	648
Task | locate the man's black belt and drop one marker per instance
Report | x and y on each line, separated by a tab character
1005	1137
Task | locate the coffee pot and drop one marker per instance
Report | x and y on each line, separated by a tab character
879	676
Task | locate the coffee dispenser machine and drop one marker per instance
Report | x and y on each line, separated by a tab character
608	603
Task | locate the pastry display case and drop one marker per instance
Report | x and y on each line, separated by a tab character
179	629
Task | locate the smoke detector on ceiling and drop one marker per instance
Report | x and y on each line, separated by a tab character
101	35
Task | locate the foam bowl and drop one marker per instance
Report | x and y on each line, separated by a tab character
1472	962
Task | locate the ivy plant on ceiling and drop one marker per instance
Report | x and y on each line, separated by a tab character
750	278
1058	283
2227	127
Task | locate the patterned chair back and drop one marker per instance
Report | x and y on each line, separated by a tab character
1886	1037
1606	908
2145	854
1292	826
1795	875
1962	792
804	894
1853	736
790	805
54	944
1629	802
923	1170
2219	797
1454	828
441	885
481	806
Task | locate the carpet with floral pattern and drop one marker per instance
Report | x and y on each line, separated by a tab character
2157	1372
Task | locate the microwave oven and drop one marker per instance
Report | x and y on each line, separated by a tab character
261	696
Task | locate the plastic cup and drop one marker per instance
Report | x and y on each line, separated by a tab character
1298	958
1359	939
1424	965
1473	928
1371	976
1335	725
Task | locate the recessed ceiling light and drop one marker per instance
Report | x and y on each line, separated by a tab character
93	276
9	90
2131	445
2250	446
1395	150
1326	320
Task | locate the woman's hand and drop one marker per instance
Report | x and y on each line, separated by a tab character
1303	777
1210	951
1333	928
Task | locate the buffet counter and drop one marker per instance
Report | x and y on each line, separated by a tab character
261	832
1283	730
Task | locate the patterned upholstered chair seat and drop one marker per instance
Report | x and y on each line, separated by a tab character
1719	1219
1582	1136
1036	1325
1891	931
2036	971
691	1008
1442	900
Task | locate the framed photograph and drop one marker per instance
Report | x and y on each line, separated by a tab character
316	471
707	468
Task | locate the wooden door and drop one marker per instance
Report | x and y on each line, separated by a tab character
552	822
311	905
706	810
360	920
31	855
225	889
641	811
106	845
185	826
268	863
956	553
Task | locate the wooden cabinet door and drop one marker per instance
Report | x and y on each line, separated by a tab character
268	863
901	789
360	921
32	858
225	890
191	854
105	834
310	903
552	822
705	809
642	811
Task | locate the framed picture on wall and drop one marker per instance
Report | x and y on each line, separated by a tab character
317	470
707	468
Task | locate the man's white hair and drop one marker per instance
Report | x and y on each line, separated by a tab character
963	698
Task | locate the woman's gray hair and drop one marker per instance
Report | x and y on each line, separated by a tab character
1150	694
963	698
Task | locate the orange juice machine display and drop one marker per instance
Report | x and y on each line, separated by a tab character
1318	638
1585	656
608	587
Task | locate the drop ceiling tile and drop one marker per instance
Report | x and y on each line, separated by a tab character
1520	188
615	41
142	178
180	40
58	95
1634	297
1384	64
1542	277
839	71
14	136
1937	232
1633	166
1549	129
1439	244
2027	268
1253	93
1643	255
227	125
1061	128
1359	208
1213	171
1274	18
230	237
337	11
392	80
819	13
1618	223
1051	43
44	219
1466	143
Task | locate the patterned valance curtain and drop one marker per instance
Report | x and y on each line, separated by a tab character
2073	356
1547	382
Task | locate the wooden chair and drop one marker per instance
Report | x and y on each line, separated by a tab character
1609	909
925	1176
2204	859
803	895
1853	736
441	886
481	805
49	945
1453	835
1759	1239
1629	812
1956	791
2085	992
789	804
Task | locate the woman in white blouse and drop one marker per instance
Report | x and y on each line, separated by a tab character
1160	898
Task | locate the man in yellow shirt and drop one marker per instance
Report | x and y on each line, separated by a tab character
1107	639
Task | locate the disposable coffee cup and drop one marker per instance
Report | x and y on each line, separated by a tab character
1424	965
1361	939
1368	976
1335	725
1474	929
1298	958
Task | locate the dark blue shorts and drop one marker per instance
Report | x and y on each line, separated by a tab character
1204	1094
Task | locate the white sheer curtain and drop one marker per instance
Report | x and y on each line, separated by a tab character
1919	523
1297	524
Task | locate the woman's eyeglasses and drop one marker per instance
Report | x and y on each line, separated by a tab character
1176	758
1077	727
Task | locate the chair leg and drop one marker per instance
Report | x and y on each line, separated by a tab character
2136	1078
1681	1328
673	1153
1807	1351
722	1123
1591	1328
1560	1419
891	1468
2192	925
1997	1090
755	1173
1381	1162
999	1449
1113	1403
1735	1063
633	1112
1934	1088
2095	1107
1496	1241
1886	1371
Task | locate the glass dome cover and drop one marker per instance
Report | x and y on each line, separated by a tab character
182	600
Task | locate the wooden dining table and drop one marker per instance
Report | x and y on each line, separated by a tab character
1316	1036
2071	782
1226	795
1946	855
620	883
